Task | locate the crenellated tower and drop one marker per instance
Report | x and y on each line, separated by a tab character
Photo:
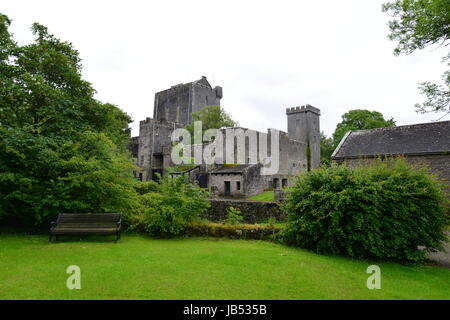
304	126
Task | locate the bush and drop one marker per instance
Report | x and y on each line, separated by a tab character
381	211
166	213
234	216
143	187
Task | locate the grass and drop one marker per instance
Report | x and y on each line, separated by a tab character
264	196
198	268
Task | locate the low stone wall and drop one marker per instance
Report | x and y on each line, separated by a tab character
253	211
245	231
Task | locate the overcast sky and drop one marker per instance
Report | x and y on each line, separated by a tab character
267	55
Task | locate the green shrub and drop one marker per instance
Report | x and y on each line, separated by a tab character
234	216
381	211
271	221
166	213
143	187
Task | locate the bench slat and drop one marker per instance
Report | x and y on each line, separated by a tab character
87	223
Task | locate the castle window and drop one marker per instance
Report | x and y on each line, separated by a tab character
238	185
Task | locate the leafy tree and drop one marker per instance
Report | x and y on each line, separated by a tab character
60	149
212	117
326	149
360	119
418	24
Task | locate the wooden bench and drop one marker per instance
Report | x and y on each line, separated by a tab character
86	224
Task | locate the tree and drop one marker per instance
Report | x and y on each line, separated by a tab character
212	117
418	24
358	120
326	149
60	149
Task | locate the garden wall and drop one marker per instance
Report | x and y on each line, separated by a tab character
253	211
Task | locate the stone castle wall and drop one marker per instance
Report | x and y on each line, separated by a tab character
179	102
253	211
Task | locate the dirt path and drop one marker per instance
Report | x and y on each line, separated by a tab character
442	258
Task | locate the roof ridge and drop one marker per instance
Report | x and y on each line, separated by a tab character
404	125
420	138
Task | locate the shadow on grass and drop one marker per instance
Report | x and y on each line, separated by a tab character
8	231
97	239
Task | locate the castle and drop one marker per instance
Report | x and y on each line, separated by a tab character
244	164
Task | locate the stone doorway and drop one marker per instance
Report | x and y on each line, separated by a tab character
227	188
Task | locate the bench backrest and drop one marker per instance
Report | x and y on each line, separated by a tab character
89	218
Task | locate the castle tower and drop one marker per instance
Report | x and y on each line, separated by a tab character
304	126
179	102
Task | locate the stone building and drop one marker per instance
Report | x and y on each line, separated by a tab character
252	177
298	149
173	109
427	143
179	102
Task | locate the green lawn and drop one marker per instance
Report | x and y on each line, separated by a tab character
142	268
264	196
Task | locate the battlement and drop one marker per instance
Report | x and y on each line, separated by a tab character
305	108
147	120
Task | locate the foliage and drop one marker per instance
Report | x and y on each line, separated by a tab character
167	212
437	96
212	117
358	120
144	187
327	147
234	216
271	221
60	149
417	24
384	210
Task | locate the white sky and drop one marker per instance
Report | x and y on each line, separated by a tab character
267	55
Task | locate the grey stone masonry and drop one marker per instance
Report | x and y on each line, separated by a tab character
253	211
179	102
304	126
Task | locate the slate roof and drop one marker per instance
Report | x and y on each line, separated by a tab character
424	138
236	169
